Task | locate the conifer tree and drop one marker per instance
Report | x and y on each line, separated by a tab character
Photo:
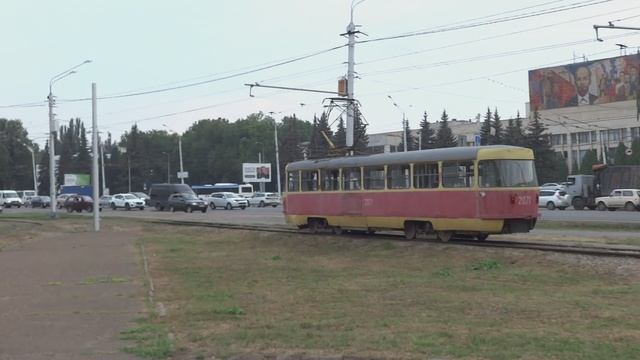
549	166
485	129
498	132
589	159
360	137
619	156
340	136
412	142
427	134
444	135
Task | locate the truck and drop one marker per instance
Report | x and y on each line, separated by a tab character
584	189
76	189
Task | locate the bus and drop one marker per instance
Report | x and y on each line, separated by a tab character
461	191
202	191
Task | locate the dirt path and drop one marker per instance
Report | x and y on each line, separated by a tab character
69	296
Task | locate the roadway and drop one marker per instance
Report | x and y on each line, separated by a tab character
270	215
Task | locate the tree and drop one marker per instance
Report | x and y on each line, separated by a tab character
485	129
319	147
340	137
620	157
427	134
635	152
360	137
514	134
549	166
412	142
498	132
43	172
444	135
589	159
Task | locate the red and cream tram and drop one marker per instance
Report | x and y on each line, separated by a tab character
473	191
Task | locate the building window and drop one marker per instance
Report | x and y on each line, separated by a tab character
330	179
292	183
309	180
457	174
583	137
374	178
399	176
426	176
351	178
635	133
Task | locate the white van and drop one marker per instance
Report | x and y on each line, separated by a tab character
11	198
26	196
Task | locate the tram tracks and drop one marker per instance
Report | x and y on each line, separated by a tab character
568	248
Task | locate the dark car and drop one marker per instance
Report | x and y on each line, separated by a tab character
159	194
187	202
40	201
78	203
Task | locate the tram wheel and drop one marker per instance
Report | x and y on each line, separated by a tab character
444	236
410	230
482	236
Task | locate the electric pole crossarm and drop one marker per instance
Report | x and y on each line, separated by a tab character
251	86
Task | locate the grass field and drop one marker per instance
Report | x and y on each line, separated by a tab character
229	292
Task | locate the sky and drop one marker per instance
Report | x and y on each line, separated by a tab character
477	57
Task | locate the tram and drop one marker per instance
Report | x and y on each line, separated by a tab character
461	191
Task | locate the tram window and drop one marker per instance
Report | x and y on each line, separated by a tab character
456	174
425	176
507	173
330	179
351	179
292	183
374	178
309	180
399	176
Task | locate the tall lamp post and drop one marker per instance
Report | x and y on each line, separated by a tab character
168	167
52	135
179	150
405	124
33	164
275	135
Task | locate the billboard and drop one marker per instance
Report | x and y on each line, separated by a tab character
256	172
586	83
77	179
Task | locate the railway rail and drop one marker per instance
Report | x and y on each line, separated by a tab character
569	248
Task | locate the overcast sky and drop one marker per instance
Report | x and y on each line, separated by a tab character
148	45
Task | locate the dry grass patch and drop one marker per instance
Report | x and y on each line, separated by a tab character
233	292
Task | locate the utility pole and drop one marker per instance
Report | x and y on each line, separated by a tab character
52	156
95	176
351	33
180	150
404	131
275	128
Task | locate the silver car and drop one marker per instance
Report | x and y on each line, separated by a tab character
226	200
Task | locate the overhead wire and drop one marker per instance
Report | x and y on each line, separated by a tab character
489	22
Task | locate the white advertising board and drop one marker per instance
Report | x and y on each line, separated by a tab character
256	172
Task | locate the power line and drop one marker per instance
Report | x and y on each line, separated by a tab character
490	22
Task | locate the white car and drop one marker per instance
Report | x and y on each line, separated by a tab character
105	200
261	199
553	198
226	200
126	201
628	199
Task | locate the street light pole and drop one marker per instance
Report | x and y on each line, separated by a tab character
405	122
168	167
275	135
52	137
180	150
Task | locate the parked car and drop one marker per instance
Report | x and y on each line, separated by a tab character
78	203
553	198
227	200
11	198
159	194
628	199
40	201
187	202
126	201
105	200
61	199
26	196
141	195
261	199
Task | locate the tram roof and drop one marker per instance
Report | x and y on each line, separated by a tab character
443	154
